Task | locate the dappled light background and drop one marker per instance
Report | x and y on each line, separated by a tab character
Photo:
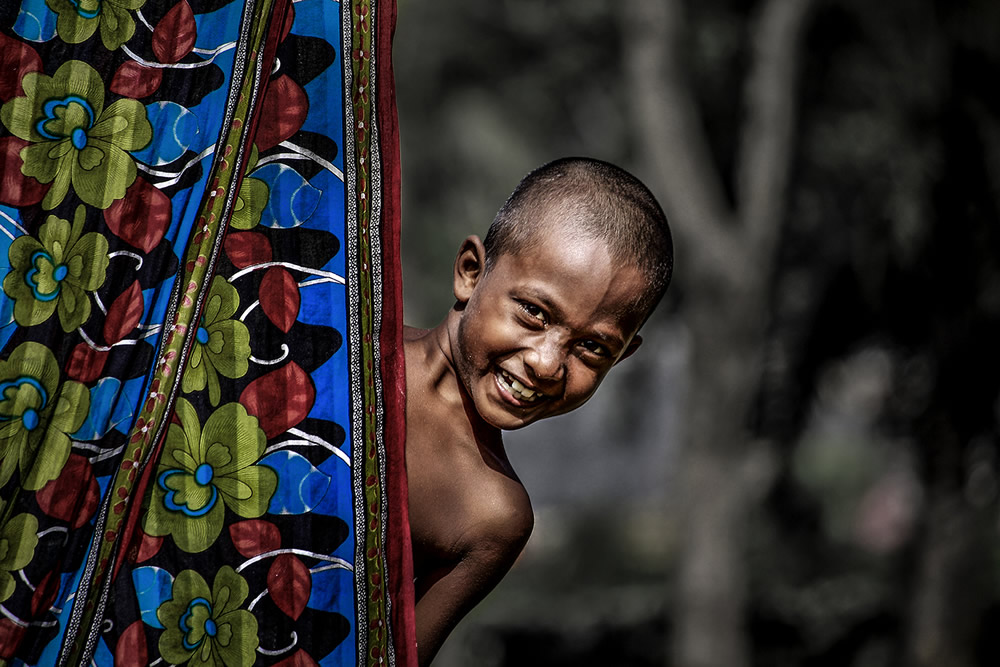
799	467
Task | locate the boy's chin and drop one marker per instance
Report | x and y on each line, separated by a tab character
513	426
513	418
508	418
502	411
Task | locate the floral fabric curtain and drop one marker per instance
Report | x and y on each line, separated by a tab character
201	381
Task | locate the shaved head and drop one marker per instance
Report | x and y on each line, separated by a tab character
589	199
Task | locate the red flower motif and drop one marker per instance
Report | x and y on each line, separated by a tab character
361	92
362	12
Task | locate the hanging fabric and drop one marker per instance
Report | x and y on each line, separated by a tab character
201	376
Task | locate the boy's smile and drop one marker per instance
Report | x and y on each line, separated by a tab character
519	393
542	327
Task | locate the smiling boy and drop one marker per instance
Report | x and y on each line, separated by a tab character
572	266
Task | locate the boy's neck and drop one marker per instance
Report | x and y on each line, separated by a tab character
434	348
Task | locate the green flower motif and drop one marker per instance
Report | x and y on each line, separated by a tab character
207	627
55	272
74	139
202	472
252	198
36	415
18	539
78	19
221	344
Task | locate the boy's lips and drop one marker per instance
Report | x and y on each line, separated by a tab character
516	389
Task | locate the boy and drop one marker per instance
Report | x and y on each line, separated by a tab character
571	267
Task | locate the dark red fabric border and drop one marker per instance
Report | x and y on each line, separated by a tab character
399	550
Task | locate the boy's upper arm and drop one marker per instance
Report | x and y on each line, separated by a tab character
448	594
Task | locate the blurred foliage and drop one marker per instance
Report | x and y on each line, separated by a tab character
880	392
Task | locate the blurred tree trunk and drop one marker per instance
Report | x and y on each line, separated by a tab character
726	255
949	592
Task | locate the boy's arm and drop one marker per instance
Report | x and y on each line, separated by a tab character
450	592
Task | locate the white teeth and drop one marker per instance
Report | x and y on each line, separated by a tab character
521	388
518	389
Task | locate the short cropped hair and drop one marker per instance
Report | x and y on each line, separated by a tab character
604	202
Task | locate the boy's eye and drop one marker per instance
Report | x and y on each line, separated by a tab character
533	311
594	347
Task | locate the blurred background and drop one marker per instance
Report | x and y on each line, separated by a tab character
799	467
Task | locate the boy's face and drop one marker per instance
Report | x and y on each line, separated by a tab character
541	329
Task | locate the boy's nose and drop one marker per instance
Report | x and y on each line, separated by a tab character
546	362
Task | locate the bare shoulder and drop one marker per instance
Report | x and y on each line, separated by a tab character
413	333
465	505
500	518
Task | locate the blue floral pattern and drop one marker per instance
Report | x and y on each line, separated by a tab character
174	380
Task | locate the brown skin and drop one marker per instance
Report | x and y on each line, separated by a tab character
552	320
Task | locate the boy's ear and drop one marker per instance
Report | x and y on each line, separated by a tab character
632	347
470	264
